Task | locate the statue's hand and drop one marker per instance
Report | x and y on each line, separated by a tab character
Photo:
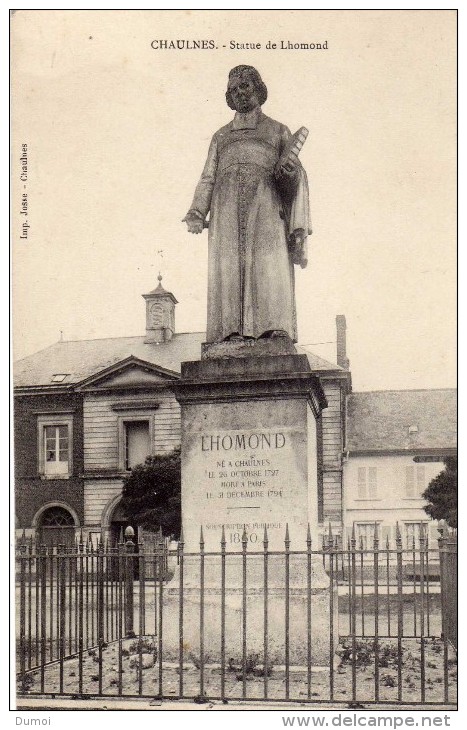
194	221
297	246
299	236
290	167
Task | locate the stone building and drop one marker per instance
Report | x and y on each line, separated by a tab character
395	444
87	411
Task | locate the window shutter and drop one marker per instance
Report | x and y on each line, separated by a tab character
372	482
409	481
361	482
420	479
386	535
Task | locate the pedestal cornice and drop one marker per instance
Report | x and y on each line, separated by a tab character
255	378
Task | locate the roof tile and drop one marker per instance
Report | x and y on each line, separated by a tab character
380	420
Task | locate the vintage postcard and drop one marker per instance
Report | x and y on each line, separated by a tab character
234	307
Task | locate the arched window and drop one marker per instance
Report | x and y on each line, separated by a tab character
56	526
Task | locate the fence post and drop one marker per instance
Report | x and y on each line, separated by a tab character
129	578
43	607
448	575
451	603
22	600
100	606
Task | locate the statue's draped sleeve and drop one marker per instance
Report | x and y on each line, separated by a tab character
296	208
203	193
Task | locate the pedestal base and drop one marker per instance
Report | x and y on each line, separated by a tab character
297	626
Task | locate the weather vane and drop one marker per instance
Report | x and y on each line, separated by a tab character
160	253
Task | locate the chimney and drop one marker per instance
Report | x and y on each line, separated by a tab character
160	314
341	326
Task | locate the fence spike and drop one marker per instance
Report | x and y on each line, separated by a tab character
201	538
308	536
265	538
244	536
287	537
223	541
181	540
330	531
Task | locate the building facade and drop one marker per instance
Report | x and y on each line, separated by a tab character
395	445
87	411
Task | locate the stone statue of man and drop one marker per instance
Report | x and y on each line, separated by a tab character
259	219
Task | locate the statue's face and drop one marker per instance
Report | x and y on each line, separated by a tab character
243	93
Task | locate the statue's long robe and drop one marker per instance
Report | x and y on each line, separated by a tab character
252	217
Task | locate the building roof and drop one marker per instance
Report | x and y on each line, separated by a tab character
319	363
402	420
80	359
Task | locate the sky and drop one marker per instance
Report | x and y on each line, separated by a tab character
117	134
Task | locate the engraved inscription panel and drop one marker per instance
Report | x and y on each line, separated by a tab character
247	479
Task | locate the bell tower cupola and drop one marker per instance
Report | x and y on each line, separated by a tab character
160	314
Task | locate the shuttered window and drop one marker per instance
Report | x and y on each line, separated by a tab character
367	482
412	534
365	535
414	481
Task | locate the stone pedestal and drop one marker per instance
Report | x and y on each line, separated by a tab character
249	462
249	453
305	608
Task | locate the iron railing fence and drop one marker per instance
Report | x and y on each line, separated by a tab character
93	620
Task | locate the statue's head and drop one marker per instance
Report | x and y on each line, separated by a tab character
245	89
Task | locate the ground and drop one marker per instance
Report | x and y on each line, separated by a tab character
141	671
